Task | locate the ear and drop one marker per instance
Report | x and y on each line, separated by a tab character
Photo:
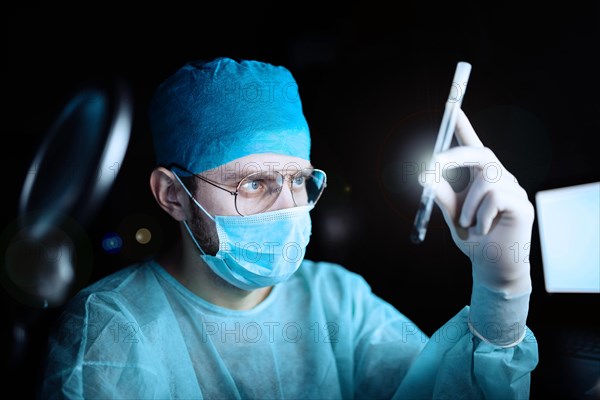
169	194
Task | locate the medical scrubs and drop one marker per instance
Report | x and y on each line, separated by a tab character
323	334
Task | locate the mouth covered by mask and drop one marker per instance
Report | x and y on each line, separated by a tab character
258	250
209	113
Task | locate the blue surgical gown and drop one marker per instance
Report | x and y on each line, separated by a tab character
323	334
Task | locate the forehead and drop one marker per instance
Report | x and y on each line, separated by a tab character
237	169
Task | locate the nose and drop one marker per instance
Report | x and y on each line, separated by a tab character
285	198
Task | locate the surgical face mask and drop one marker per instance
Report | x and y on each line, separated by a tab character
259	250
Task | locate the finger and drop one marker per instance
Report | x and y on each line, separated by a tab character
447	201
487	212
477	192
478	157
445	197
465	133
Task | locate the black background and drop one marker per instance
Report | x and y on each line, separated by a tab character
373	79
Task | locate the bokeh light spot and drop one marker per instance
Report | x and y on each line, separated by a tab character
143	235
112	243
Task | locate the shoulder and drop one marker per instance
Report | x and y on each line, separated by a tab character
120	300
123	287
102	327
121	280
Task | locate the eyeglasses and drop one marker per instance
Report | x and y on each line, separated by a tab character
259	191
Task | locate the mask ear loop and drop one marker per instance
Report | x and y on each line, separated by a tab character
193	237
187	227
192	197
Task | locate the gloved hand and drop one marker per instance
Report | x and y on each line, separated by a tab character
491	222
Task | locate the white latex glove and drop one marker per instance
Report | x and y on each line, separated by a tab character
491	222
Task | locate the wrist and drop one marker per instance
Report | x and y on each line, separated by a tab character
499	316
512	280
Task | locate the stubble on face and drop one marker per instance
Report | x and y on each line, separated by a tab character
205	231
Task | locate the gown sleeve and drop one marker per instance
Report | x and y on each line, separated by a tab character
456	364
395	359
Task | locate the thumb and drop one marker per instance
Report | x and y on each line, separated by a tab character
447	201
445	197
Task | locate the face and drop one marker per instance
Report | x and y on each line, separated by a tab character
217	201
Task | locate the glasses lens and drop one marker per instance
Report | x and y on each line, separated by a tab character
307	186
257	192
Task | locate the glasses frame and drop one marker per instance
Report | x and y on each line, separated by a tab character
236	191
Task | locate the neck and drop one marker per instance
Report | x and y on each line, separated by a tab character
184	264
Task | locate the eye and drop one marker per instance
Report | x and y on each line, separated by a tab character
252	186
299	180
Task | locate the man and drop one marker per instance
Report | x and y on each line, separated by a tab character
235	311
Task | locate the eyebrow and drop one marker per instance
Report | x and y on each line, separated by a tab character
234	177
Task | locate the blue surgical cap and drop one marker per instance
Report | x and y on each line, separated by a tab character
209	113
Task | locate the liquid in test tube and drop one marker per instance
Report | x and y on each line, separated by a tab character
442	143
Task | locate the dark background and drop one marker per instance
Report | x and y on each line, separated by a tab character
373	80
